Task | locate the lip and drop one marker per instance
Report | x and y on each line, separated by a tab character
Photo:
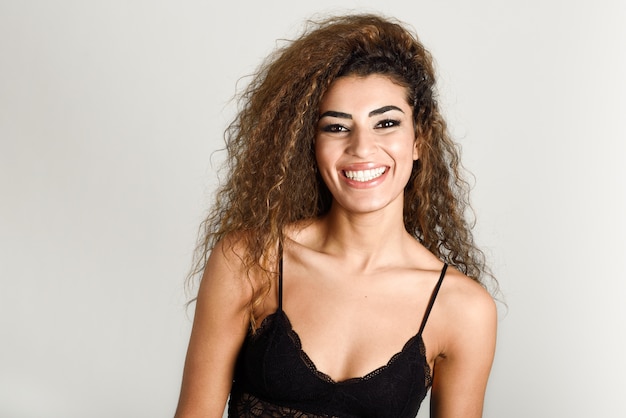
362	167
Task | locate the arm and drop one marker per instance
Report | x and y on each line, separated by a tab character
462	371
219	328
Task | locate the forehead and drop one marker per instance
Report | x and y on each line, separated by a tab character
371	90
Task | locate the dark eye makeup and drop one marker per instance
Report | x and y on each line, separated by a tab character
334	128
387	123
338	128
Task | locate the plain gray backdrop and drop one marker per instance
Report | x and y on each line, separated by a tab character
110	112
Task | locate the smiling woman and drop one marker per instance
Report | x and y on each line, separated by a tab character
339	275
368	139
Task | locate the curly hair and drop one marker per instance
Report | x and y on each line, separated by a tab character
273	180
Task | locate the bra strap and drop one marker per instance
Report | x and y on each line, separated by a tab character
433	296
280	283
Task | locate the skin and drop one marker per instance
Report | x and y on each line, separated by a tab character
354	277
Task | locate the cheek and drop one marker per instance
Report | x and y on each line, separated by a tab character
325	155
326	158
404	148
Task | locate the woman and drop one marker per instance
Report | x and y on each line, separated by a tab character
340	278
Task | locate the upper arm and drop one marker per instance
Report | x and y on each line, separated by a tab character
461	372
220	325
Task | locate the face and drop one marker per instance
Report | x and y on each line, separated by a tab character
365	142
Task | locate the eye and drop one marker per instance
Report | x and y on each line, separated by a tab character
387	123
334	128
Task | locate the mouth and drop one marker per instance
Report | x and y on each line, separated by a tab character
364	175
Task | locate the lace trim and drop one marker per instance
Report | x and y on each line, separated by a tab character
311	365
249	406
269	319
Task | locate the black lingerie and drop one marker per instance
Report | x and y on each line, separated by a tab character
274	377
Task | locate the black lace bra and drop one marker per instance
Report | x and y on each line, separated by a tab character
274	377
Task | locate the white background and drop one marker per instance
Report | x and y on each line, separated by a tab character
110	112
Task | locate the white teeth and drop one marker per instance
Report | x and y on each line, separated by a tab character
365	175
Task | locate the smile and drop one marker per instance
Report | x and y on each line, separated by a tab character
365	175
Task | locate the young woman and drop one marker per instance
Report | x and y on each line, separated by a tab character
340	277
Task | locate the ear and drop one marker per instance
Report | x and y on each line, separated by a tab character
416	153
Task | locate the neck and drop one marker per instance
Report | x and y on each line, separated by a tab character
365	239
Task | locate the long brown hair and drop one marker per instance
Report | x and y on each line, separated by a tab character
272	179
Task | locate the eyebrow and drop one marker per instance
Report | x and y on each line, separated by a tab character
383	110
374	112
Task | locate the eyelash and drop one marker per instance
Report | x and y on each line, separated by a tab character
387	123
334	128
383	124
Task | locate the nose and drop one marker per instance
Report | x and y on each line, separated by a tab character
362	143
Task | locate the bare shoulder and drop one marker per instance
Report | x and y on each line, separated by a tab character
466	341
225	279
464	291
467	307
304	231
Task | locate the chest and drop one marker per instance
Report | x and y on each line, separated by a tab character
273	366
367	321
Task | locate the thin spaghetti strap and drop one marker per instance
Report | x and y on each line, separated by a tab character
433	297
280	283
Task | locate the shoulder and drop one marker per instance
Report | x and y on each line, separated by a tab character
466	336
463	291
228	276
468	310
226	261
304	231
